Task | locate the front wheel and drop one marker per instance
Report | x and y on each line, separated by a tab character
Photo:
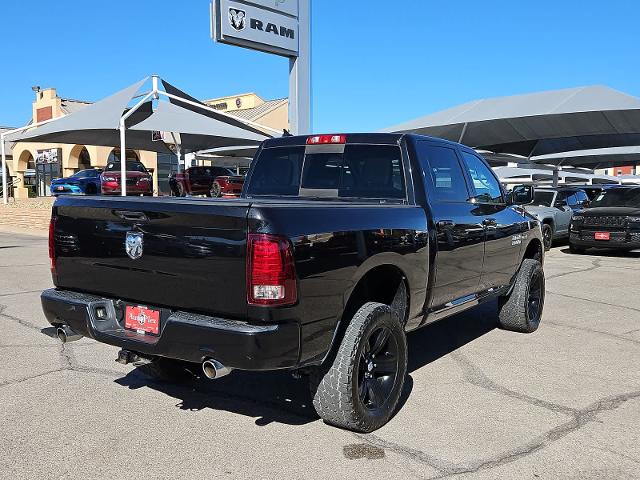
359	390
547	236
216	190
521	311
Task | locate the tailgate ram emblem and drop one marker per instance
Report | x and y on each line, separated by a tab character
134	244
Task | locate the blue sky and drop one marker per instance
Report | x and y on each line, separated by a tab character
375	63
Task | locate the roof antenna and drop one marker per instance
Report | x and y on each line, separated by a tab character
286	133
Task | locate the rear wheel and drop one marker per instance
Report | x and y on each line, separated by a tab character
521	311
360	388
547	236
216	190
91	189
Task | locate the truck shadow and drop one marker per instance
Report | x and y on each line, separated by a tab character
278	397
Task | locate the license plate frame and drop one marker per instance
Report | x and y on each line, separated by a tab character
142	319
602	236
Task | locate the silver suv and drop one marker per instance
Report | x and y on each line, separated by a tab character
553	207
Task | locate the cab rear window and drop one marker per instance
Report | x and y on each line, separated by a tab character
362	171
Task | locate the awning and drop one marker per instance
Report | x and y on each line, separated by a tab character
98	124
197	131
538	123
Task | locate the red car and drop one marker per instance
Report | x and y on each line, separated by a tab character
227	186
209	181
139	180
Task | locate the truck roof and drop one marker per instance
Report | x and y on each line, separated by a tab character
375	138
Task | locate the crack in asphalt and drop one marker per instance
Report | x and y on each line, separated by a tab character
18	320
19	293
595	264
574	297
474	375
592	330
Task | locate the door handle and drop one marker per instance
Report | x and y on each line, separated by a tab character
490	222
129	215
445	223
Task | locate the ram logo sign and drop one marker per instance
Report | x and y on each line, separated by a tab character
237	18
268	25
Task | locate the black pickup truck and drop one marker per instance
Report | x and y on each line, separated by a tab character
338	246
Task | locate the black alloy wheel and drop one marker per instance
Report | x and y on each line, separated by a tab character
378	368
547	236
535	301
216	190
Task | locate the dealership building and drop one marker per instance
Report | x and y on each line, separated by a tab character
35	164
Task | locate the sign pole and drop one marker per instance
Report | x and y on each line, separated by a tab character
300	75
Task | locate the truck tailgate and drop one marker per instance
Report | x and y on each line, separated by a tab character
193	255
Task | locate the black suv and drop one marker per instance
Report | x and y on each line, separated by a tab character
612	221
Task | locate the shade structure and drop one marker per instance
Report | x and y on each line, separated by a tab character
98	123
592	158
538	123
197	131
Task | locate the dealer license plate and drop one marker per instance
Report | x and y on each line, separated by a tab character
142	319
602	236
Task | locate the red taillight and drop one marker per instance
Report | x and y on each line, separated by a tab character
326	139
271	275
52	244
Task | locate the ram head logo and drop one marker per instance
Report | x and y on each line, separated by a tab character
237	18
134	244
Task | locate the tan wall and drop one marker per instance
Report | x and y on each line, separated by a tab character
277	118
247	100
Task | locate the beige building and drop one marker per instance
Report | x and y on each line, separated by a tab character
69	158
251	107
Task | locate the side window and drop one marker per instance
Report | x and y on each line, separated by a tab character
577	198
561	199
442	169
487	189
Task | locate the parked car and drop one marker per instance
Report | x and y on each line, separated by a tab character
227	186
594	191
139	179
338	246
84	182
199	181
611	221
553	207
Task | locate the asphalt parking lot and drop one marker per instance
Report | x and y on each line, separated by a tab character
479	402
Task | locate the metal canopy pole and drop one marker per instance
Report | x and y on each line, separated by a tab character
4	171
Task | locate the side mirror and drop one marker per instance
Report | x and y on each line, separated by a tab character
522	194
584	204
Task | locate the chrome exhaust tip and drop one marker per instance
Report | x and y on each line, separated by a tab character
214	369
66	335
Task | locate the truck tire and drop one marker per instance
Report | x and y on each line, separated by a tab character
167	370
522	309
547	236
354	390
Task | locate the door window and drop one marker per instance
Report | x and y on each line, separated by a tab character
442	169
486	186
576	199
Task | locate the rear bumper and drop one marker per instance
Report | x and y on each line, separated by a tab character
618	240
184	336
